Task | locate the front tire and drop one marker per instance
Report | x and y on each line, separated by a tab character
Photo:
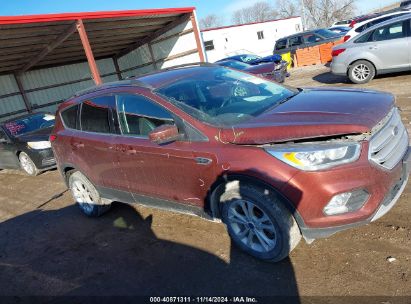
361	72
28	165
86	195
258	222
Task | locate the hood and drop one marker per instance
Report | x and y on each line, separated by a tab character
261	68
314	113
38	135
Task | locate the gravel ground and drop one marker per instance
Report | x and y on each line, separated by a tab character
48	248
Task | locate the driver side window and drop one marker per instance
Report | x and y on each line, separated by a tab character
138	116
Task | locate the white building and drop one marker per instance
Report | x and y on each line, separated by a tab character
250	38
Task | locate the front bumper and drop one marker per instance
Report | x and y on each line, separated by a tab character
43	159
385	206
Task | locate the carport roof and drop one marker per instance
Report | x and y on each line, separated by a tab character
35	41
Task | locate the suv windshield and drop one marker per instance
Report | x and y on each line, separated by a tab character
224	97
326	33
29	124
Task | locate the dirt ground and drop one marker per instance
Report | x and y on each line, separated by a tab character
47	247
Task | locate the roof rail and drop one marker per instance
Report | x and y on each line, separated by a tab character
207	64
133	80
127	82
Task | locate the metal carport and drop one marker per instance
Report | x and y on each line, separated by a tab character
46	58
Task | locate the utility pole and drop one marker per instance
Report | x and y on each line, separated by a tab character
303	15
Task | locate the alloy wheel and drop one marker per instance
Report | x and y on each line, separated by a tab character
83	196
252	226
27	164
361	72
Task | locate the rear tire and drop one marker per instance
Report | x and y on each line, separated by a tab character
86	195
361	72
28	165
258	222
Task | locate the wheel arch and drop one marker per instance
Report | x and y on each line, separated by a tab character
213	205
368	60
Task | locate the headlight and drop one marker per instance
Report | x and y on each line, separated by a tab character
316	156
38	145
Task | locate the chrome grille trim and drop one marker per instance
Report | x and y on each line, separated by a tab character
390	143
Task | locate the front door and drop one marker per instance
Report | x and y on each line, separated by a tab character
165	171
8	159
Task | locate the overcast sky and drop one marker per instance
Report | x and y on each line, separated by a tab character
204	7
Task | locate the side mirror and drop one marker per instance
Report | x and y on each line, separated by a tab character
164	134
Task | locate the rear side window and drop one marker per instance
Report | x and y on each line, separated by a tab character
281	44
95	114
69	117
139	116
389	32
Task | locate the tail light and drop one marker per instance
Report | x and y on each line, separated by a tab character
346	38
52	138
337	52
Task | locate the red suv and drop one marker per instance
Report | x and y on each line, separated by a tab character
272	162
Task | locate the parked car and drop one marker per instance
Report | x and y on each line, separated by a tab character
24	143
342	23
405	4
253	59
272	162
304	39
362	26
273	71
383	48
362	18
342	30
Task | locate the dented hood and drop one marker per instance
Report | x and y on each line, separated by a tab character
313	113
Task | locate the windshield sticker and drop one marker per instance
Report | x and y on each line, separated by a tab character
49	117
14	128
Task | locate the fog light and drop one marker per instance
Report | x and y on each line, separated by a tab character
346	202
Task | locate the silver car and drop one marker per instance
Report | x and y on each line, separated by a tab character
383	48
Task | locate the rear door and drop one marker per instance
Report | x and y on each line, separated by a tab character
8	158
390	47
92	146
166	171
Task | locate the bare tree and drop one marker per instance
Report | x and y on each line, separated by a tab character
288	8
210	21
260	11
322	13
318	13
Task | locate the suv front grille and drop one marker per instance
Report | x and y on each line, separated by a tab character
390	143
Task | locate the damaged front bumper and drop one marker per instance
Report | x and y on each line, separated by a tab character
385	206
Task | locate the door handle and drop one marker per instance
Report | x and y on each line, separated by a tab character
131	152
78	145
373	47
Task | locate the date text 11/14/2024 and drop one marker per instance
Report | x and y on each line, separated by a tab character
203	300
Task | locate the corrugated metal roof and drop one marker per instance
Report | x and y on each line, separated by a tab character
23	38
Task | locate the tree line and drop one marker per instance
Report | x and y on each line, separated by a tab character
316	13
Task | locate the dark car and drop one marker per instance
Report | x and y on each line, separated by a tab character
305	39
253	59
24	143
273	71
273	163
405	4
